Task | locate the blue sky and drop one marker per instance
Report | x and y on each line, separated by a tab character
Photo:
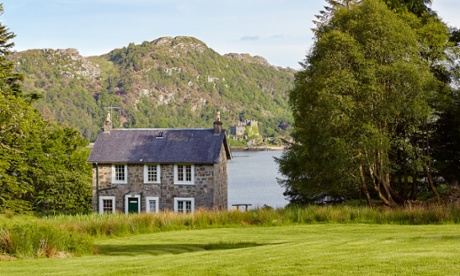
278	30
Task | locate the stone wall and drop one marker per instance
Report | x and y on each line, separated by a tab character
209	191
221	181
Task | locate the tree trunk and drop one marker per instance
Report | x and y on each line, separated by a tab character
364	186
431	183
427	164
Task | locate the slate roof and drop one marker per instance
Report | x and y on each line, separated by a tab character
197	146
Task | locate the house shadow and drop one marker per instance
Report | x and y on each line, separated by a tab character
162	249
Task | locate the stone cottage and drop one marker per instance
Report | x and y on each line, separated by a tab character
152	170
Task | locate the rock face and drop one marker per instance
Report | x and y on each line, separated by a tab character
248	58
71	64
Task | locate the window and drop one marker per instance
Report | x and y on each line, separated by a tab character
106	204
184	205
151	173
151	204
119	174
184	174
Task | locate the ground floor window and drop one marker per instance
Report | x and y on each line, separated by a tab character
184	204
106	204
151	204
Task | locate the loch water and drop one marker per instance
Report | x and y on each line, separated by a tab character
252	179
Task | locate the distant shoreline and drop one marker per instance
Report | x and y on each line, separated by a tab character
257	149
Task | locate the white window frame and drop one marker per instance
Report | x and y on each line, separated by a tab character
114	181
176	204
147	205
101	203
146	174
184	182
138	203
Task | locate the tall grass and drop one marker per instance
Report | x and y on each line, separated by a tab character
37	239
50	236
108	225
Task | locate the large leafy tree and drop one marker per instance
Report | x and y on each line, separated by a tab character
362	95
42	165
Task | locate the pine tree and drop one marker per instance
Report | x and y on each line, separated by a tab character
42	165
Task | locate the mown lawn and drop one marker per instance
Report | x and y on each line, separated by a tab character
317	249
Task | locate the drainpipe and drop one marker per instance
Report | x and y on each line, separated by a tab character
97	187
140	203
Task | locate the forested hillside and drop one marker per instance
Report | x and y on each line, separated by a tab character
169	82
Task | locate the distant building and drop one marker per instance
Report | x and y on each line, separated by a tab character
148	170
240	128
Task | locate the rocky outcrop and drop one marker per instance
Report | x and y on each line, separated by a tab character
249	59
71	64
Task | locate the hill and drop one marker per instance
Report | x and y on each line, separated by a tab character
168	82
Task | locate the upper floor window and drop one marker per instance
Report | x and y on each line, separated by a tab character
184	174
119	174
151	173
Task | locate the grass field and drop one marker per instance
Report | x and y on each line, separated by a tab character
316	249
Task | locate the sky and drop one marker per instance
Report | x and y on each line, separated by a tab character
278	30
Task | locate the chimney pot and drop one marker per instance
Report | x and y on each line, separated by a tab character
108	123
217	124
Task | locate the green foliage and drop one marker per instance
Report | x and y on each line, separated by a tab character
237	143
35	240
42	165
63	177
363	95
170	82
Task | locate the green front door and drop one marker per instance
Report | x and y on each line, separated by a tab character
133	205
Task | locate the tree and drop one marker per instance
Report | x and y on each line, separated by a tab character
417	7
362	93
9	80
325	15
15	137
61	176
42	165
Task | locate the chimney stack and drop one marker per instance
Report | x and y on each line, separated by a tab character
217	124
108	124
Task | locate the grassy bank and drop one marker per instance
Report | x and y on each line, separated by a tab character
33	237
309	249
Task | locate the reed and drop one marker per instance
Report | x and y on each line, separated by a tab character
108	225
37	239
28	236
